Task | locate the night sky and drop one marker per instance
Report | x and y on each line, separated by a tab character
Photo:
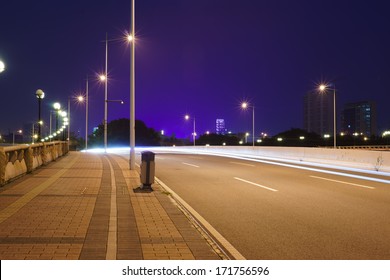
201	57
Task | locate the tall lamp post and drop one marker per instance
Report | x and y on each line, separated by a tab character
244	106
132	87
79	99
40	95
57	108
86	115
104	78
187	117
324	88
13	136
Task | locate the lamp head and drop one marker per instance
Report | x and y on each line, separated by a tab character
40	94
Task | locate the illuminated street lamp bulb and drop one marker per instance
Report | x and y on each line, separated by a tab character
102	78
322	87
57	106
130	38
2	66
244	105
80	98
187	117
40	94
64	114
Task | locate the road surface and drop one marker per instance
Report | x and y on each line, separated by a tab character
273	211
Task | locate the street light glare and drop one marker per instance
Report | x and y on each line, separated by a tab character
102	78
80	98
2	66
322	87
187	117
244	105
40	94
130	38
57	106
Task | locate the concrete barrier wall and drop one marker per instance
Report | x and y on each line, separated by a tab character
16	161
369	160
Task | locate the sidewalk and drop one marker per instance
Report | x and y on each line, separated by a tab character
83	206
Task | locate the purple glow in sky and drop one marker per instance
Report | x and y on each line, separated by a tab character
200	58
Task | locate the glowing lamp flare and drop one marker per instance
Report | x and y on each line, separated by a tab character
2	66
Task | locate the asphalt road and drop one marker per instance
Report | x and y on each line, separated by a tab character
268	211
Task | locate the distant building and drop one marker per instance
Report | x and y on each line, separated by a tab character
318	113
220	126
360	117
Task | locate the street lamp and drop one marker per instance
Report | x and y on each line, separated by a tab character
105	78
187	117
13	136
57	108
132	87
79	99
245	105
323	88
40	95
86	115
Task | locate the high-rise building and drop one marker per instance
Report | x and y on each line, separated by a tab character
318	113
220	126
359	117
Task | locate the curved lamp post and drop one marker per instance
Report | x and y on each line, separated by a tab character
132	87
57	108
13	136
324	88
40	95
245	105
187	117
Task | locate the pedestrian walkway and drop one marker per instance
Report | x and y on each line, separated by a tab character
88	206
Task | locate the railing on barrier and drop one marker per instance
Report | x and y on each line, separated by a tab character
16	161
372	148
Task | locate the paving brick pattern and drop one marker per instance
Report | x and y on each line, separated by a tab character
70	210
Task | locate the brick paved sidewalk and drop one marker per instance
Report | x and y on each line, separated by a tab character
83	206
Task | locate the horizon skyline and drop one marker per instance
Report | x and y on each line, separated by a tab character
201	58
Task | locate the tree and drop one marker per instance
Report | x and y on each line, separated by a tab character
299	137
217	139
118	134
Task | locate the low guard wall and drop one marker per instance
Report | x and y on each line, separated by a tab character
363	159
16	161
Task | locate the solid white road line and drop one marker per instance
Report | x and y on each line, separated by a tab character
258	185
189	164
244	164
214	233
343	182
